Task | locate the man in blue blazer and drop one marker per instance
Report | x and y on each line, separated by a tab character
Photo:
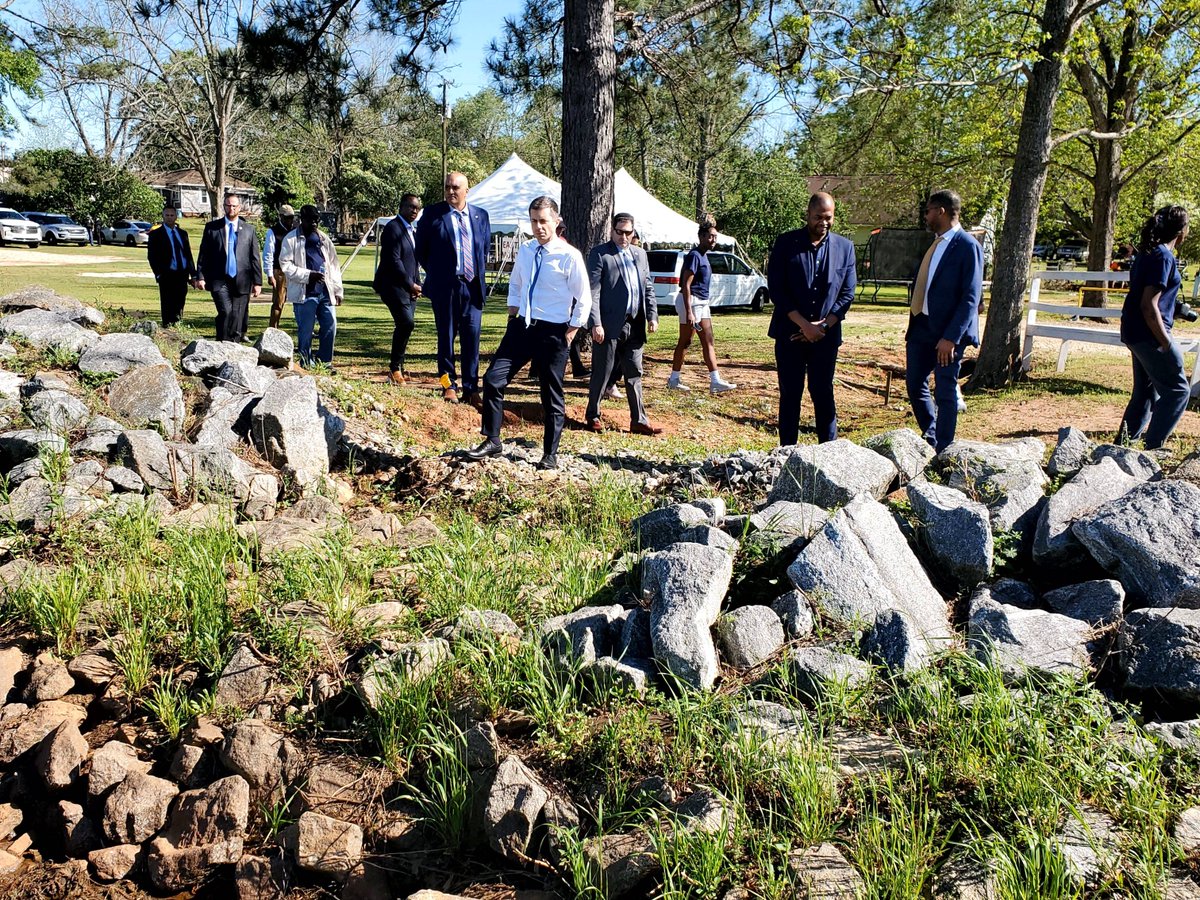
452	245
944	318
230	266
398	280
811	277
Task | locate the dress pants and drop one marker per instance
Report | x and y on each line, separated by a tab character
403	307
937	415
544	343
458	316
795	361
172	293
1160	393
621	352
278	297
232	309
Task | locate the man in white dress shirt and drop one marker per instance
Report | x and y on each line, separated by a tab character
549	297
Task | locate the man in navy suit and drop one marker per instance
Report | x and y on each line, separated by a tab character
398	280
170	255
452	246
230	265
811	277
945	318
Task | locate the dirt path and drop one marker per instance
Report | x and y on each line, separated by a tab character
21	256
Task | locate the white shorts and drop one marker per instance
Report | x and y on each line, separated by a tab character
699	307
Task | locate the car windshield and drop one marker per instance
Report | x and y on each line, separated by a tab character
10	214
141	226
59	220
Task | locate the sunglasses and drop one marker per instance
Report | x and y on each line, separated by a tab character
626	233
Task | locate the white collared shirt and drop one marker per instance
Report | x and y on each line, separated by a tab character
941	242
562	292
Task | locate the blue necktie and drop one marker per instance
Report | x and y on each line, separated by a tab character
176	259
231	252
537	270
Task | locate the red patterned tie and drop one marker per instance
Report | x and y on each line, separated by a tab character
464	240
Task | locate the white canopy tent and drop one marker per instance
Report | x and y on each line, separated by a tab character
656	222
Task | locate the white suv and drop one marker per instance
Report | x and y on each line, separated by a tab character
734	281
58	228
16	229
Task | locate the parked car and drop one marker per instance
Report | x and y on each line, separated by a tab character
734	281
130	232
58	228
1076	251
1043	251
16	229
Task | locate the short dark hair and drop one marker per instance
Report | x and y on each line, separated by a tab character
947	200
404	197
544	202
622	217
170	206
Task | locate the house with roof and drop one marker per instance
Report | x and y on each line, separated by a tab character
185	189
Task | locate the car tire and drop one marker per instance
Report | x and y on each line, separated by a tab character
759	301
130	242
51	239
35	245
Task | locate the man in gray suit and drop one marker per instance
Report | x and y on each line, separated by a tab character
623	310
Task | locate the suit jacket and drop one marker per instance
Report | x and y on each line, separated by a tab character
789	276
955	292
211	262
609	300
438	256
397	259
160	254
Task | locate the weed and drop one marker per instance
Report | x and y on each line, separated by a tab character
52	604
444	802
170	704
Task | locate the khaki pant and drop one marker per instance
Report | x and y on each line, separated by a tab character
278	297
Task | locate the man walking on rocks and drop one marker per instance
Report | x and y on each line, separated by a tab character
170	255
230	266
944	318
314	285
549	299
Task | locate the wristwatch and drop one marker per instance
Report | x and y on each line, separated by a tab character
824	325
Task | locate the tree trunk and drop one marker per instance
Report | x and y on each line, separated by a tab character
589	89
701	186
1106	193
1000	354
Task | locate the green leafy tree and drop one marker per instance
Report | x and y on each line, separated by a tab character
18	73
82	186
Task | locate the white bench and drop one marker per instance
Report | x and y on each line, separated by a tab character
1072	331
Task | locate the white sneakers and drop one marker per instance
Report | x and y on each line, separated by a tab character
613	393
718	385
674	384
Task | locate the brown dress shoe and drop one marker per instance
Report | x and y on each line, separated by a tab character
644	428
397	378
450	395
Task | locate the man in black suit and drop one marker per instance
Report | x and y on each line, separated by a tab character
398	280
231	267
623	310
170	255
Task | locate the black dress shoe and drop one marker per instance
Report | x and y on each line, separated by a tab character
489	447
547	462
581	373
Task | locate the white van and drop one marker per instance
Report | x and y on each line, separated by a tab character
734	281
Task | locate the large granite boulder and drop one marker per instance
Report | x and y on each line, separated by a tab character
1054	544
145	452
860	565
242	377
1072	453
1007	478
275	348
26	443
57	411
686	584
786	523
1162	652
47	330
1097	602
1142	466
288	429
955	533
905	448
659	528
832	474
38	296
117	353
203	356
1019	641
1149	538
149	396
226	421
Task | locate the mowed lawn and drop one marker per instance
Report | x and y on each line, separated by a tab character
1091	393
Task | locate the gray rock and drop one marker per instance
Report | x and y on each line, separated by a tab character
188	766
203	356
12	660
245	681
149	396
10	385
906	450
1090	844
1054	544
40	297
56	411
26	443
43	329
710	537
796	614
659	528
1072	453
60	755
145	452
226	422
976	459
115	863
813	670
1007	478
823	873
833	474
483	747
1020	640
955	533
1188	469
288	430
713	507
414	661
22	472
94	667
23	729
1182	737
686	584
207	829
893	641
1142	466
80	836
515	799
787	523
275	348
630	674
137	807
88	477
49	680
1010	592
123	479
112	764
1095	602
749	635
1187	830
55	380
963	877
259	754
1148	538
476	624
1162	652
327	845
242	377
212	470
117	353
586	633
262	496
7	350
860	565
100	439
635	636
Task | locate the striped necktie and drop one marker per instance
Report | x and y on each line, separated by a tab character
464	241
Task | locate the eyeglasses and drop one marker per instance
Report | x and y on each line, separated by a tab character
626	233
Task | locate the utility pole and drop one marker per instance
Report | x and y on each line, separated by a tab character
445	129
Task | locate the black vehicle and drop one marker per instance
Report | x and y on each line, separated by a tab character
1076	251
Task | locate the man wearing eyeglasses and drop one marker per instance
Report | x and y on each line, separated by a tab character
623	311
